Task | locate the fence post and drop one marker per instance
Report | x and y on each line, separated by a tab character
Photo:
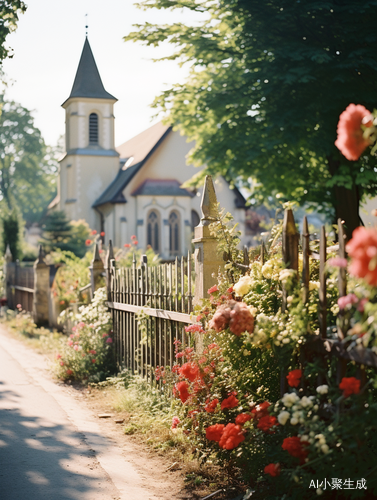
41	290
96	270
109	258
7	272
206	258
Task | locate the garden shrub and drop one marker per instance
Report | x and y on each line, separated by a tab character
87	354
319	438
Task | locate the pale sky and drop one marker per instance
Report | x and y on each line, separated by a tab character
47	47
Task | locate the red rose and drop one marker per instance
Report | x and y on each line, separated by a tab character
232	436
135	242
272	469
182	388
69	372
350	141
230	402
213	289
210	407
102	233
127	245
362	249
265	423
295	447
88	242
214	432
294	377
260	410
93	232
190	371
242	418
133	237
349	385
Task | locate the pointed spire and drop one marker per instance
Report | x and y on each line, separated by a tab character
40	255
96	256
8	254
88	82
209	200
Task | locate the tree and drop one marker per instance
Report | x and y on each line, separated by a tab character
11	232
59	233
9	11
27	167
267	84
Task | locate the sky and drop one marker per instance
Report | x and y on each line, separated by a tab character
47	46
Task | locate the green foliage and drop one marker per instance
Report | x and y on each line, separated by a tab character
87	355
59	233
12	227
9	12
27	168
267	84
72	275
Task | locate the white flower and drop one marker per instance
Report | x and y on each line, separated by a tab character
283	417
290	399
243	285
325	448
294	421
306	402
323	389
313	285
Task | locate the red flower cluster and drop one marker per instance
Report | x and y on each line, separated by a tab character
242	418
194	328
260	410
230	402
349	385
214	432
232	436
182	388
362	249
210	407
295	447
190	371
272	469
213	289
265	423
234	314
127	245
350	141
294	377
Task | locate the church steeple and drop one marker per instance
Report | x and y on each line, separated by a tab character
88	82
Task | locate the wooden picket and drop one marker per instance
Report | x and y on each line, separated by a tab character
336	347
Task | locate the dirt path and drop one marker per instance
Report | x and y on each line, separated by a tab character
54	446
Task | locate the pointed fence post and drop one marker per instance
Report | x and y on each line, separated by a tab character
96	270
206	258
109	257
8	265
41	290
290	247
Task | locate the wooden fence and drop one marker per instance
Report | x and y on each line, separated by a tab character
20	286
323	345
150	307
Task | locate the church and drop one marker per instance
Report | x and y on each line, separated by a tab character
136	188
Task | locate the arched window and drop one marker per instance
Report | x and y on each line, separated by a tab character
93	128
195	219
153	230
174	233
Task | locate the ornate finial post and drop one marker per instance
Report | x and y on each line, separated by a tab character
41	300
109	257
96	270
206	258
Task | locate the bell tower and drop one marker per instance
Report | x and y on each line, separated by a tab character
90	162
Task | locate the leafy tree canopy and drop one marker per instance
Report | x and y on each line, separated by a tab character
27	167
9	11
267	84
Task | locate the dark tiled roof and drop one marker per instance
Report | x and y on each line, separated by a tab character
138	150
161	187
88	82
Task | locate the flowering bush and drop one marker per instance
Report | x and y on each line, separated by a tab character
87	354
319	429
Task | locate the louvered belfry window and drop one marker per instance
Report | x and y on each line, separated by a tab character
93	128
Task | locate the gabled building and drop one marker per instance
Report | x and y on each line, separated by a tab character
136	188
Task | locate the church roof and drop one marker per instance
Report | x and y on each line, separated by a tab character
133	153
88	82
161	187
